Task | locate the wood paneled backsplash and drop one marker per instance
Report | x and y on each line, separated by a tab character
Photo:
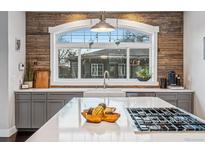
170	36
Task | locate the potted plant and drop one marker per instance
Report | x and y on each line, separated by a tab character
143	74
28	76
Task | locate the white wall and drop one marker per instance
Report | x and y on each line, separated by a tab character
4	121
15	30
194	64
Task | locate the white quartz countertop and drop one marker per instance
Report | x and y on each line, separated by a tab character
101	89
69	125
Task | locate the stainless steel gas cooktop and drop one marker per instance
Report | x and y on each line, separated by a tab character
163	119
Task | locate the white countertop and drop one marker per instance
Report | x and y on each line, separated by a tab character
101	89
69	125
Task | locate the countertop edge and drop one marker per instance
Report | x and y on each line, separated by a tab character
87	89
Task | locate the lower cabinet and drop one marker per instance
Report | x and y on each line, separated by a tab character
173	102
38	113
23	114
169	97
183	100
186	105
53	106
33	109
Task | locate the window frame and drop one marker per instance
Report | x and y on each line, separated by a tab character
123	67
72	26
97	68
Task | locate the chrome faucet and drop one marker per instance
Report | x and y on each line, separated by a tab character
106	73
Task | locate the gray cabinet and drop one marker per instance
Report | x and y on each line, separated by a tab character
53	106
183	100
140	94
56	101
23	110
169	97
33	109
38	109
23	114
38	113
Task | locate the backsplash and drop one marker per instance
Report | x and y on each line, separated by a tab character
170	36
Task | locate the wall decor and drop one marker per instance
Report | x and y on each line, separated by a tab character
18	45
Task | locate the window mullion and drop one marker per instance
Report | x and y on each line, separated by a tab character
128	62
79	64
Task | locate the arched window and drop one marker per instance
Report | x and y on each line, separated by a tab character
79	56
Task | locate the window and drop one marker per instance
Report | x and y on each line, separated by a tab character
122	70
97	70
101	60
85	36
67	63
79	55
139	59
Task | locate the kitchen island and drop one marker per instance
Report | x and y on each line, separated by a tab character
69	125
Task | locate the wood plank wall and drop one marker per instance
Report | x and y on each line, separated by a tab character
170	37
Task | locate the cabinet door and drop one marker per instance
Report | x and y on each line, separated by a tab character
185	105
38	113
140	94
72	95
169	97
53	106
23	113
173	102
23	96
185	101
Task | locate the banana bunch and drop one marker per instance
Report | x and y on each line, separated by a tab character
101	109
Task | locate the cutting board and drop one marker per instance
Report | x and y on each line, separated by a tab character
41	79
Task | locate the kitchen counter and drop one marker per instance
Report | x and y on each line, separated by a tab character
69	125
102	89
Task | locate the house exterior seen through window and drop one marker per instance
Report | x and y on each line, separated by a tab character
81	55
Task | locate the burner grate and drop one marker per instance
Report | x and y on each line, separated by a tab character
164	119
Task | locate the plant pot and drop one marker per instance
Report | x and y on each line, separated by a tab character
29	83
143	79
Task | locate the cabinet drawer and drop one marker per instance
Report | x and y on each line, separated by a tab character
62	96
23	96
140	94
167	96
184	96
39	96
39	101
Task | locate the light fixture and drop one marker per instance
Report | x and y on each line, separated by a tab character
102	26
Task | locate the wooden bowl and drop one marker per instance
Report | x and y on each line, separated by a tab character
113	117
91	118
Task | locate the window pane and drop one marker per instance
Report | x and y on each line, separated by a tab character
139	60
68	63
95	61
85	35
